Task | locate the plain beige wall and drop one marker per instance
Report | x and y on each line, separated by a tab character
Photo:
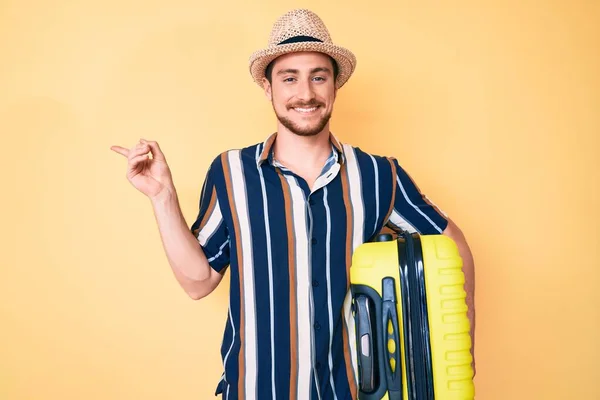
492	106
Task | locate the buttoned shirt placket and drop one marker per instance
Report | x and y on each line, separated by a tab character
328	173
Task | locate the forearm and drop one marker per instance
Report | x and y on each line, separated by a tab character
469	273
468	269
182	249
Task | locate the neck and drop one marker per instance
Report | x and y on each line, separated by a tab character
294	150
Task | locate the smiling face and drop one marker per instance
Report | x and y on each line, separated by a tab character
302	92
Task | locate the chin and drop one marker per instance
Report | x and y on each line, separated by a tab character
304	124
304	129
306	132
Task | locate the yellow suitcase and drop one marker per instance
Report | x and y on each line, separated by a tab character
412	330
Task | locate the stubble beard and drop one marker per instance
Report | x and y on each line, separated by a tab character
310	130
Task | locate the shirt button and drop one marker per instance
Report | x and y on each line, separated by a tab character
317	326
315	283
313	241
318	365
311	202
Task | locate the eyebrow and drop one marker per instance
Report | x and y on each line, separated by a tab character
295	71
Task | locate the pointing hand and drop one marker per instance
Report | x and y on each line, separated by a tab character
150	176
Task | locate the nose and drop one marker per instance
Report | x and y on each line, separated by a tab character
306	91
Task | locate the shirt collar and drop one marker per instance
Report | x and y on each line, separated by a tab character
267	153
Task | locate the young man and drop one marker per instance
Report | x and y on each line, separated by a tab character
285	216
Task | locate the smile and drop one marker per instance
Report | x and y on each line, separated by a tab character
305	110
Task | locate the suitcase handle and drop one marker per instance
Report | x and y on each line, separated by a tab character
393	366
365	344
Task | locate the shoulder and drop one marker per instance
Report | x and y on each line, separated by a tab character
357	154
245	154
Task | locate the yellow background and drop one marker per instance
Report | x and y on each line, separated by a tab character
492	106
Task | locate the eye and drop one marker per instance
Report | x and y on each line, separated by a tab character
288	79
319	78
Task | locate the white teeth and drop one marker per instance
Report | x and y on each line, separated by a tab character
305	110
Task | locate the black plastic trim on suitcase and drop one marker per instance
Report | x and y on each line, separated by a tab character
390	316
365	339
372	385
415	318
427	359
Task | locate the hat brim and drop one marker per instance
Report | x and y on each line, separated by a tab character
345	59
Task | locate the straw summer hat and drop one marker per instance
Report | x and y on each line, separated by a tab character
301	30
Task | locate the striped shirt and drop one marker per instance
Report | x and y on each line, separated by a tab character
289	332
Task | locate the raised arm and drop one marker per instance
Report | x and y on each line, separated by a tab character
152	177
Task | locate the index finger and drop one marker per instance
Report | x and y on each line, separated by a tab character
120	150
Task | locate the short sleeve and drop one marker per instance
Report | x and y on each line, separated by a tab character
412	210
210	228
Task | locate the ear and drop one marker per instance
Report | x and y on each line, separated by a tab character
267	88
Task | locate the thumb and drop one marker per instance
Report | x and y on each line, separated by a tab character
154	149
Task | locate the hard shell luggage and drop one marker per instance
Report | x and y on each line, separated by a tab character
412	330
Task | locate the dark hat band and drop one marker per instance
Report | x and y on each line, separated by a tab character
297	39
